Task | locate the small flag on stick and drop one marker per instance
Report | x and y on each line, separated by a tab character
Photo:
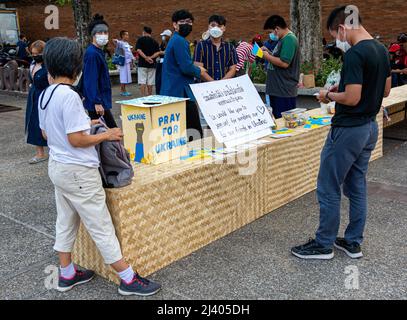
257	51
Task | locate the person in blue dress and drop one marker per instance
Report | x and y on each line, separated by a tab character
179	71
96	86
39	82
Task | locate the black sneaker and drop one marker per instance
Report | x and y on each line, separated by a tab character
139	287
353	250
312	250
80	277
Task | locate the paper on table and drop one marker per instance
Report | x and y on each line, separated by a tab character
317	122
282	133
281	136
197	154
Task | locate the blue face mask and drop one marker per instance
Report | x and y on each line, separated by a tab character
273	37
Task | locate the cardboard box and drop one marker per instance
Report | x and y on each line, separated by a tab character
154	128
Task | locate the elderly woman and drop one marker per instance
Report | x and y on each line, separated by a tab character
39	81
73	169
96	85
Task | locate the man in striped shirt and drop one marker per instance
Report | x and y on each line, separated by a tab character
244	54
218	57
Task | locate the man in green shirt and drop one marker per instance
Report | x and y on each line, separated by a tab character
283	73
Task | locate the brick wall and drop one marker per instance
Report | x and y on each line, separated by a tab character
245	18
385	18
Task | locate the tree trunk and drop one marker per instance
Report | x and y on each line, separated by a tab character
306	24
295	17
82	17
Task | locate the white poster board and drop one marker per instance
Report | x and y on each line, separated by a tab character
233	110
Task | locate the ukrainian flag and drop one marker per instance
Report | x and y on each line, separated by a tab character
257	51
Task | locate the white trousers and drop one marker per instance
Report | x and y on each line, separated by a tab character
80	196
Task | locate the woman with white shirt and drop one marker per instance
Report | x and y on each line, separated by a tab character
73	169
125	71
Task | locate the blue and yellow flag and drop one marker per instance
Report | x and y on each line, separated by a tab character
257	51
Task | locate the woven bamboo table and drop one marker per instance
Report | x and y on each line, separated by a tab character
396	105
172	210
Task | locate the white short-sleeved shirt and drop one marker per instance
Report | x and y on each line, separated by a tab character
64	115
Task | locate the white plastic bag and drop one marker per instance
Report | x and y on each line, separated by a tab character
328	108
333	79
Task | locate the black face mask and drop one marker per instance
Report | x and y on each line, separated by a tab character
38	59
185	30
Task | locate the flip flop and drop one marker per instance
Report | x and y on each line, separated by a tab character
36	160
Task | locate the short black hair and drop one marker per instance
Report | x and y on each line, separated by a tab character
22	36
182	15
97	19
220	20
275	21
338	16
148	30
63	57
402	38
122	33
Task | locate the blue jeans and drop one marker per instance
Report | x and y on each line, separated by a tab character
158	74
344	163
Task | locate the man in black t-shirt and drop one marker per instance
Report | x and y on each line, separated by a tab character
23	52
148	50
365	80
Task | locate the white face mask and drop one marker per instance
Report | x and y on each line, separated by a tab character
102	39
216	32
343	45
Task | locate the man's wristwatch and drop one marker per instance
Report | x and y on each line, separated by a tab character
327	96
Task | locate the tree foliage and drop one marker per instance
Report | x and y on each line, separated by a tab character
82	15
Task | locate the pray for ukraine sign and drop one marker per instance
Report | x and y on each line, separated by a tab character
154	128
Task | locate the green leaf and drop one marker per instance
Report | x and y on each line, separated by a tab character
259	74
307	68
327	67
62	2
